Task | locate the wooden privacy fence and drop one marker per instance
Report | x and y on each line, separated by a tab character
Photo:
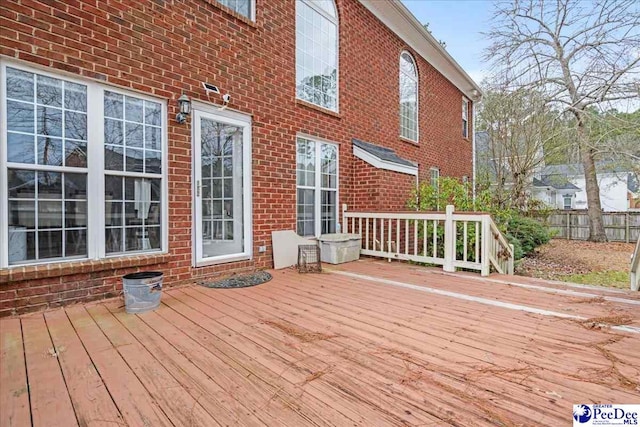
635	268
574	225
451	239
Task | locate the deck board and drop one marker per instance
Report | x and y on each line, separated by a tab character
325	350
90	398
50	401
14	396
135	404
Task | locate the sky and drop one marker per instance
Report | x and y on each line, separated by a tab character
459	23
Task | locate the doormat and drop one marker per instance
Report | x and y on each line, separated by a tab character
244	281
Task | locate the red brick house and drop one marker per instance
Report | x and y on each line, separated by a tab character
329	103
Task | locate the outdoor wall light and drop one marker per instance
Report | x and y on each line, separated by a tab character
184	105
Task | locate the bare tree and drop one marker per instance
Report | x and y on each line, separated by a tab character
518	126
580	55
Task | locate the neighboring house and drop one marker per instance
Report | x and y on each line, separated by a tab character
330	103
563	187
633	195
558	195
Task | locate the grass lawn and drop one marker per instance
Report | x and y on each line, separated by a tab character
601	264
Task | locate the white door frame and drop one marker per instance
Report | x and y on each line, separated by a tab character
199	111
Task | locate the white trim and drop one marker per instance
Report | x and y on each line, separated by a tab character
317	187
244	121
465	117
334	20
480	300
94	171
473	150
4	199
401	21
252	10
416	79
383	164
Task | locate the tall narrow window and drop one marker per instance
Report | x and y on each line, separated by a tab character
133	168
317	187
434	177
243	7
317	53
465	118
408	97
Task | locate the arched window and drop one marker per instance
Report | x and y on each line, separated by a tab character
317	53
408	97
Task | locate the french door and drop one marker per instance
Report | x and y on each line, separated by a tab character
222	187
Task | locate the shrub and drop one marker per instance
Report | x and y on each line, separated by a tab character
528	232
523	232
518	253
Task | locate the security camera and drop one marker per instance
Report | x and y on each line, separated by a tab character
226	98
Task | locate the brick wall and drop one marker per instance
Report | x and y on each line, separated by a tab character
164	48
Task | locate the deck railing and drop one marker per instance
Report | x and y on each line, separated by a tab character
450	239
635	268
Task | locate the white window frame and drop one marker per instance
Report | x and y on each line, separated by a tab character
252	9
95	168
564	201
434	177
415	78
465	118
317	201
336	21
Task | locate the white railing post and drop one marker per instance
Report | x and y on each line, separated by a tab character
486	236
345	221
449	240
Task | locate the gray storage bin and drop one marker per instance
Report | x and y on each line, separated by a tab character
337	248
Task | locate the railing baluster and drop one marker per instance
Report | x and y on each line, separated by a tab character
477	258
415	237
424	237
464	240
390	224
435	238
360	227
397	236
382	235
406	237
375	229
367	235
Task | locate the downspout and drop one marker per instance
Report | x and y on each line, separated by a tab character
473	148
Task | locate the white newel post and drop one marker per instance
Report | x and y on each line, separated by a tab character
449	240
345	222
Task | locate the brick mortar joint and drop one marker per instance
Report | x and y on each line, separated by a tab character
70	268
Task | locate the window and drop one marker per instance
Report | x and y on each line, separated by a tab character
243	7
408	97
317	187
133	166
53	165
465	118
317	53
434	177
568	201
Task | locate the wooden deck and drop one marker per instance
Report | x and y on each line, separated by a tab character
369	343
